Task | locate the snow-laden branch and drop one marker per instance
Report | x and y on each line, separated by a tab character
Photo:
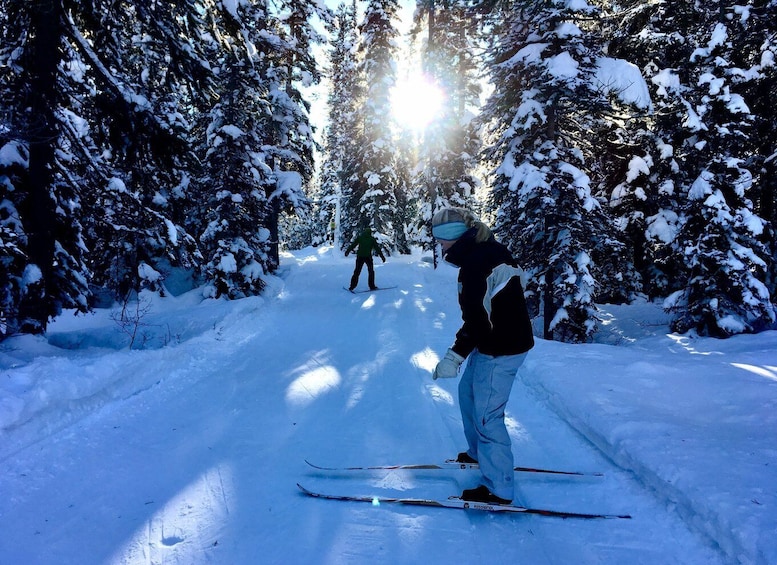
132	99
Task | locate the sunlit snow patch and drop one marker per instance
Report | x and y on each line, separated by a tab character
426	359
762	371
306	388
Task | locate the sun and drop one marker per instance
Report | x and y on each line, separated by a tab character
416	102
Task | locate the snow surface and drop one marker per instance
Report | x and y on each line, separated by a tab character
188	450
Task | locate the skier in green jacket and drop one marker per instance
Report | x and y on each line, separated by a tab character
366	246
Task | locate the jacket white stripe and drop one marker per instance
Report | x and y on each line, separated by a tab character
496	281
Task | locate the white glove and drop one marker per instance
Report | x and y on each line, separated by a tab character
448	367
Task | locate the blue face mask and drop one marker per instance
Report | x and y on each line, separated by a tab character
449	231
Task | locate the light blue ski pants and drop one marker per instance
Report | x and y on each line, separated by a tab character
483	393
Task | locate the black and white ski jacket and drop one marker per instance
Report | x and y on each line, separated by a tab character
493	307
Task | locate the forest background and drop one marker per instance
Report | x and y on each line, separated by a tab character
620	149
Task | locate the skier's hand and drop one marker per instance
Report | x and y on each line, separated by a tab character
448	367
382	257
346	253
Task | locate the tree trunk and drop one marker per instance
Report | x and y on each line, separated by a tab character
273	225
551	229
39	208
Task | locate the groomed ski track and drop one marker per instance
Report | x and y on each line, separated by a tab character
201	466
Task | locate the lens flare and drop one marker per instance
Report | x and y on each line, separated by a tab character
416	102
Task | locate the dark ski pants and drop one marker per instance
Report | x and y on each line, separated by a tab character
360	262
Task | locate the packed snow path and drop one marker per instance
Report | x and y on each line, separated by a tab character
199	464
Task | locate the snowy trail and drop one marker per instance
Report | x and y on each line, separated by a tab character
201	466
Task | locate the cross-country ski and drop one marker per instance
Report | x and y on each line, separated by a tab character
453	464
363	290
456	503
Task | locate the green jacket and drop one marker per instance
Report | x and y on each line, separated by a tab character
366	245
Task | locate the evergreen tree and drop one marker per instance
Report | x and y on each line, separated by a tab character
144	70
707	67
289	140
722	236
374	182
340	138
648	181
450	144
102	149
235	244
753	69
42	253
259	142
544	119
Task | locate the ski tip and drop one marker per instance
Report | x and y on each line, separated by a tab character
305	491
319	466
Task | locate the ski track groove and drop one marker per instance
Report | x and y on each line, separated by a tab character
708	525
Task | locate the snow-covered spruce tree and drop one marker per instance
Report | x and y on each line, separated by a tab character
725	294
651	197
722	237
13	261
289	137
136	71
407	210
720	240
647	195
640	169
373	180
41	248
259	143
710	69
544	119
448	151
645	203
14	165
753	68
339	138
234	242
